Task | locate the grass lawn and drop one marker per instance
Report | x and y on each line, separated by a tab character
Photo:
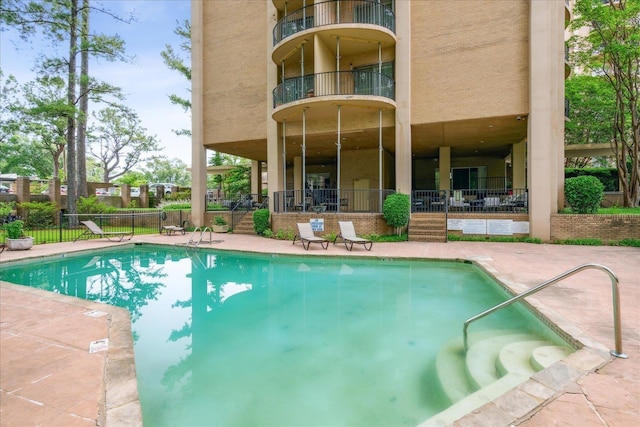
611	211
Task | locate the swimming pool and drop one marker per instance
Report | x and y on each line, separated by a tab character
243	339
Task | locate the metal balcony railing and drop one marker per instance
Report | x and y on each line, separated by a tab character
330	200
470	200
334	12
334	83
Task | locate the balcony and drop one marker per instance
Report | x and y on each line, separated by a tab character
359	87
332	13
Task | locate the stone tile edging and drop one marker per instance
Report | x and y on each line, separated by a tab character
120	404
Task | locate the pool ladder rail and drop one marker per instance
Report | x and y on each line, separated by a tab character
616	304
195	240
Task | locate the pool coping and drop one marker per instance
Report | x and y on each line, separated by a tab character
121	405
520	402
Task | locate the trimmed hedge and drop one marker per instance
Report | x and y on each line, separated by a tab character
584	194
607	176
396	210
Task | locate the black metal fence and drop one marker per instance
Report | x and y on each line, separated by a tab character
332	12
470	200
330	200
356	82
70	227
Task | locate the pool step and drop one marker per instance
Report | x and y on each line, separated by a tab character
481	365
495	362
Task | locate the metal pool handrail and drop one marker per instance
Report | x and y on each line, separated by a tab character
616	304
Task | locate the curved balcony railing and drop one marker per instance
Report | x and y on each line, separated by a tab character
334	12
334	83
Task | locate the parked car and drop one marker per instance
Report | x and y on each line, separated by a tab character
135	192
167	187
4	189
63	190
101	192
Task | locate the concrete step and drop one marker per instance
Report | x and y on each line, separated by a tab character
543	357
427	228
482	355
516	357
475	400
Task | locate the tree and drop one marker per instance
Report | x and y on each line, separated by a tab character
46	116
163	170
611	49
591	114
64	21
176	62
119	142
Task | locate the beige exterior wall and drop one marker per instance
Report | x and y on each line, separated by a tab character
469	59
235	74
459	66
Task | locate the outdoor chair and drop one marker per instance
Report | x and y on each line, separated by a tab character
306	236
170	229
94	230
348	236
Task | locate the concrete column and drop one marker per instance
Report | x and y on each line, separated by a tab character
23	192
198	151
297	173
444	166
144	196
518	165
256	177
125	195
275	176
403	97
54	193
545	65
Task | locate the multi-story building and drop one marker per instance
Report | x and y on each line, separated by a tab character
346	100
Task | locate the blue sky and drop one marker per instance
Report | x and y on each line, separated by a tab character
147	82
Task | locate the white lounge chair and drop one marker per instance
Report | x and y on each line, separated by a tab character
348	236
306	236
94	230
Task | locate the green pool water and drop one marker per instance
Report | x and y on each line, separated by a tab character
238	339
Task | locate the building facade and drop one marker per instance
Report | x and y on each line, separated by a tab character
347	99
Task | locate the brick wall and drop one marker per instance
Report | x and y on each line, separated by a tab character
604	227
363	223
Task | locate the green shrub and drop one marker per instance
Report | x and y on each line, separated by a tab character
584	194
283	234
607	176
6	208
396	210
630	242
14	229
178	205
39	214
581	242
91	205
261	221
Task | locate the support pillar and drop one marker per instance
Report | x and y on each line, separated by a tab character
518	165
198	151
403	95
444	166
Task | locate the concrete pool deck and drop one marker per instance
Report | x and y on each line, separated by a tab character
49	377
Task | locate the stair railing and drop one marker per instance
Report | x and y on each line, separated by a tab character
616	304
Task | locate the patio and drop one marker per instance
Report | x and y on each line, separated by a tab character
41	329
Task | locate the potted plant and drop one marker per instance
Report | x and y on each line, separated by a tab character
220	225
15	240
